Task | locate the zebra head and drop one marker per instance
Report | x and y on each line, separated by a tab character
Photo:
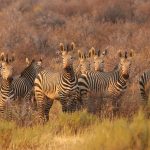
6	66
125	63
67	55
99	60
84	62
36	64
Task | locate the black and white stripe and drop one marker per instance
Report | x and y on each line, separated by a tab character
6	89
106	84
144	83
24	83
60	86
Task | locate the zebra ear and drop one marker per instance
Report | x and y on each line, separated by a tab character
27	61
61	47
91	52
119	54
99	53
84	56
131	54
126	54
72	46
13	57
79	54
2	56
105	52
7	59
41	58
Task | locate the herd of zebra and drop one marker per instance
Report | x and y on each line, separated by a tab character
74	88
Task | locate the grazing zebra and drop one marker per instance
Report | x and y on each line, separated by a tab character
24	83
57	85
6	90
144	83
106	84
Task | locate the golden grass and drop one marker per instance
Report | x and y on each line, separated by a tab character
79	131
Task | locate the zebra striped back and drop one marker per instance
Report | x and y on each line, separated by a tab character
24	83
59	85
144	83
6	90
31	71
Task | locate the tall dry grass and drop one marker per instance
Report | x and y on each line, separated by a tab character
78	131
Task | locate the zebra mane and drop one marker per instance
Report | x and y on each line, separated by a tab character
26	69
116	67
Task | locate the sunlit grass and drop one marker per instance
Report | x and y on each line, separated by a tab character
79	131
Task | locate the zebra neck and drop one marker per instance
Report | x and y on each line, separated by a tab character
78	69
29	73
69	73
122	80
6	84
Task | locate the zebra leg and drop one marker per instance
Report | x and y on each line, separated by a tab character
79	104
91	103
2	109
71	105
39	96
5	110
48	105
33	101
63	101
72	102
84	97
99	104
8	108
27	101
79	101
116	107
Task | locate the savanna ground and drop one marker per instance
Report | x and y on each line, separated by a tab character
34	28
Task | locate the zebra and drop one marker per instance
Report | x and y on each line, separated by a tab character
98	66
23	84
106	84
144	83
6	89
57	85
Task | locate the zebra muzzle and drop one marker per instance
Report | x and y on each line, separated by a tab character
125	76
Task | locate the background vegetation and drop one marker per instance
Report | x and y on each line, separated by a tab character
34	28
